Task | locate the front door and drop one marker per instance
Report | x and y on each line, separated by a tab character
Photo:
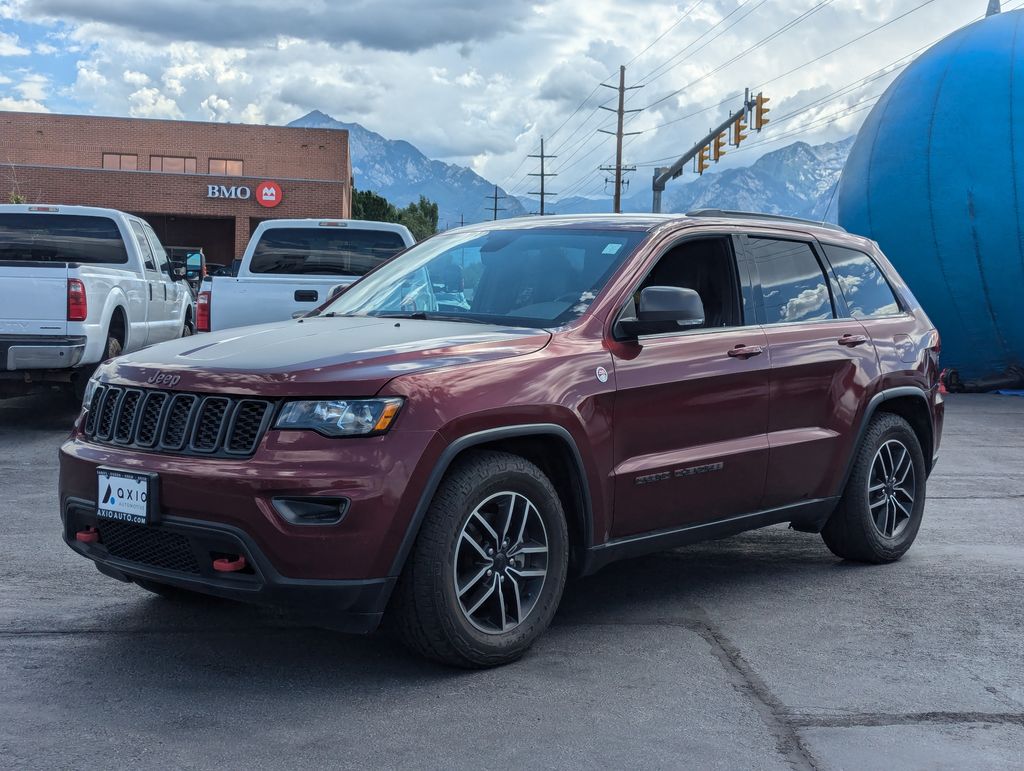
156	303
822	362
691	406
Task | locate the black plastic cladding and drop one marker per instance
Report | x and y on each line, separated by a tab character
180	423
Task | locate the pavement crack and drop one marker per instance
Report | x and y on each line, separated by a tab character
871	719
772	712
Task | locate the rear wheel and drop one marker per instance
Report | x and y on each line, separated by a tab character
80	379
488	568
881	509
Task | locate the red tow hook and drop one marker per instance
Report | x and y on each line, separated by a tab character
88	535
229	565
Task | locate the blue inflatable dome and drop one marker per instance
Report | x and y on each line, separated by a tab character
936	177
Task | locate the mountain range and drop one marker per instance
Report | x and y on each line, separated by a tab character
797	180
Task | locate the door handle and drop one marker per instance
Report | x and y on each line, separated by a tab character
745	351
150	285
306	295
851	340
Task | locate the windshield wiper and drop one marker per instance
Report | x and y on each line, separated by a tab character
426	316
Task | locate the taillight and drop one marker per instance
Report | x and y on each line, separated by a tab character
203	311
78	305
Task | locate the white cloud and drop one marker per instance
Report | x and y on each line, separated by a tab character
480	83
150	103
33	86
10	46
22	105
45	49
135	78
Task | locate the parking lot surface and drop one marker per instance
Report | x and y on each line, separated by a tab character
760	651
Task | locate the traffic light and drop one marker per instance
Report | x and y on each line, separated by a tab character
738	129
718	149
703	160
760	111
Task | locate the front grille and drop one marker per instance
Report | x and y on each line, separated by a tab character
181	423
149	546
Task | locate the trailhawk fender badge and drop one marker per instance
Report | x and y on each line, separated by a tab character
164	379
602	374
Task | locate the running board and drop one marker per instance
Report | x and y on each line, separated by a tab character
807	516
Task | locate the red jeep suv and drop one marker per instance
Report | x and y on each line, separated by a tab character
508	404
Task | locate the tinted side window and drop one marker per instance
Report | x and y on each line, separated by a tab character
158	248
323	251
866	291
140	239
793	284
61	238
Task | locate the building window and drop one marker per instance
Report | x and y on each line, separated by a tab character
172	164
120	161
225	168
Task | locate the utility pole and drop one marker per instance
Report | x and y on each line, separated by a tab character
543	175
494	207
620	111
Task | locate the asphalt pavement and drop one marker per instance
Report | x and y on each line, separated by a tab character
759	651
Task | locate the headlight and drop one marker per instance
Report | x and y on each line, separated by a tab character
90	389
340	417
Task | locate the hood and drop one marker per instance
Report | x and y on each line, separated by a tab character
315	356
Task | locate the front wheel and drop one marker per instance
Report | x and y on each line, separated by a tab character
881	509
489	565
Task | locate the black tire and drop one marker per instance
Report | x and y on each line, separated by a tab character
859	529
163	590
80	379
187	330
426	608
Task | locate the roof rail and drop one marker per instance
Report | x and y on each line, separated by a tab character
753	215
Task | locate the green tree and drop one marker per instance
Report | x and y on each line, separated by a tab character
420	217
367	205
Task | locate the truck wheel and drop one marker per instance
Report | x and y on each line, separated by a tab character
80	379
487	571
881	509
187	330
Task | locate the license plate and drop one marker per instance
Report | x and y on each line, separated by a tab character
126	496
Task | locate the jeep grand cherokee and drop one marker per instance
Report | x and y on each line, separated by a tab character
509	404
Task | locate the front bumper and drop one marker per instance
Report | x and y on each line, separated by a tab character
180	552
40	352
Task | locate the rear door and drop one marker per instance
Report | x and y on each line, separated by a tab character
172	290
156	304
821	368
691	406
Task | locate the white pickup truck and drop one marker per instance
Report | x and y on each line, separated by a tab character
79	285
292	266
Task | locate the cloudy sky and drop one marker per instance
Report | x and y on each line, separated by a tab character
476	83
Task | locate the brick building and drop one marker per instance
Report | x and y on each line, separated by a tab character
197	184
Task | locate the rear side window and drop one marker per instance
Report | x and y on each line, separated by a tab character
323	251
144	248
793	285
61	238
863	285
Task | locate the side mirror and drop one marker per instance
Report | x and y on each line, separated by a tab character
663	309
177	272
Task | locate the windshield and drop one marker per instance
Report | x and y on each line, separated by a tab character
536	277
331	251
61	238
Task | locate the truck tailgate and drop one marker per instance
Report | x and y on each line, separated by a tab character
33	299
237	302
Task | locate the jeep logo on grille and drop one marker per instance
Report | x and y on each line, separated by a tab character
161	378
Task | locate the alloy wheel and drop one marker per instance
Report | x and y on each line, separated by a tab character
501	562
891	488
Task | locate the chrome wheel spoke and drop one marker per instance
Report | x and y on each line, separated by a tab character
528	550
473	581
904	509
517	595
891	488
483	597
479	549
501	605
526	573
486	526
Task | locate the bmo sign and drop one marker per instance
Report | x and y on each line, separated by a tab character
267	194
